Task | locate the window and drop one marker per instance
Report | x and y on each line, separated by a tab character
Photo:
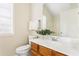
6	18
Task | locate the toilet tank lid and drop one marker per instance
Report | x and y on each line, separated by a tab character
24	47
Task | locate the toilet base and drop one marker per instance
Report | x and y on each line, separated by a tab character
26	54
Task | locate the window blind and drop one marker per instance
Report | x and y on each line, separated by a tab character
6	18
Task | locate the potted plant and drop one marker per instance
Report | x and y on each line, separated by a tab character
44	32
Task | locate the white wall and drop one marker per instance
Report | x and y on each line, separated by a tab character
21	18
69	26
69	23
37	11
36	14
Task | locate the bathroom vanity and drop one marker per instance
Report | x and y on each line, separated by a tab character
48	47
39	50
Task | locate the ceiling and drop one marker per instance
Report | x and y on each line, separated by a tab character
56	8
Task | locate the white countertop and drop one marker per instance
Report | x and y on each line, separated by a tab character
61	47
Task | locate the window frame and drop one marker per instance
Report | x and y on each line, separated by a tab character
12	27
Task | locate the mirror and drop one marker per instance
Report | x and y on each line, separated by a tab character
63	19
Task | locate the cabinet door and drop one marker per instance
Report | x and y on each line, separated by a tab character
45	51
33	53
34	46
55	53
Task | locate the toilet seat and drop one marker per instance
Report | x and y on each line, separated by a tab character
23	49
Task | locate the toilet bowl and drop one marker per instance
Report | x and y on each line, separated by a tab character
23	50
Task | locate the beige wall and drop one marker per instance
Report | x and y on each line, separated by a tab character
57	25
51	21
21	18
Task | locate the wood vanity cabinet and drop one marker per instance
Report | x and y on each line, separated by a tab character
45	51
38	50
56	53
35	49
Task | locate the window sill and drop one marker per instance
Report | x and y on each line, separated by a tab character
7	35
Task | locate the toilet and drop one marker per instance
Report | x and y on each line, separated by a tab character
23	50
